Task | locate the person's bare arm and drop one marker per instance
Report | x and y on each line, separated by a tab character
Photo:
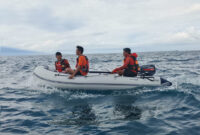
67	63
122	67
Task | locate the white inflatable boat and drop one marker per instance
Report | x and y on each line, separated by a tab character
95	81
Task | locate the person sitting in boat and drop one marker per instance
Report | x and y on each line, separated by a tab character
61	64
130	67
82	64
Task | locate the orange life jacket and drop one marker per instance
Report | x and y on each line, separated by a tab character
61	65
133	64
85	67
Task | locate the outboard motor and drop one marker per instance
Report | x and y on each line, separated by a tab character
147	70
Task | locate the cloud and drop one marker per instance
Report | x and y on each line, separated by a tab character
194	8
99	25
190	34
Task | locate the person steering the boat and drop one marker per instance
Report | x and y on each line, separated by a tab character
130	67
61	64
82	64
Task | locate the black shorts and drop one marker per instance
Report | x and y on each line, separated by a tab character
78	73
129	73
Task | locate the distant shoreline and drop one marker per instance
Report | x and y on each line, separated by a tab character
46	54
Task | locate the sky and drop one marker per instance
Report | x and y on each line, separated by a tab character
100	26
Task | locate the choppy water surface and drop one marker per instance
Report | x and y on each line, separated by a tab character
26	108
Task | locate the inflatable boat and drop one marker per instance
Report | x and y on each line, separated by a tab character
96	81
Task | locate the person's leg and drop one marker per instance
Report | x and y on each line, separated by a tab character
129	73
78	73
69	71
120	72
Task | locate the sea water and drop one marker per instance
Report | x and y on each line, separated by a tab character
26	108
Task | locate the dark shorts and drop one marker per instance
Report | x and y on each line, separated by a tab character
129	73
78	73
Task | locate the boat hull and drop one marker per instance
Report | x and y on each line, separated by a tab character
93	81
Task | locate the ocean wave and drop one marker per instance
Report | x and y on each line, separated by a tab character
26	107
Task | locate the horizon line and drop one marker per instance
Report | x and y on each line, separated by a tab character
45	54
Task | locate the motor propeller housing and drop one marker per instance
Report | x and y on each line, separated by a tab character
147	70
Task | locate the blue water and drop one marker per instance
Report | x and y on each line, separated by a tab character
26	108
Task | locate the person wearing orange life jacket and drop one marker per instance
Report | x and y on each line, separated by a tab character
130	67
61	64
82	64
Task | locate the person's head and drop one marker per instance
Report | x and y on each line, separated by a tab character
58	55
127	51
79	50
